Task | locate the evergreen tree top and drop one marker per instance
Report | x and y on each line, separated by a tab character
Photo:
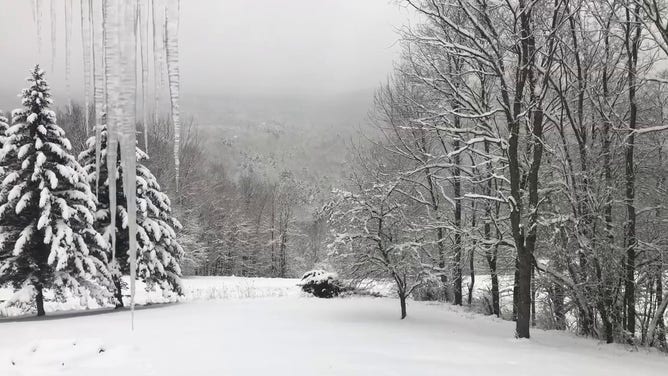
34	132
88	154
38	94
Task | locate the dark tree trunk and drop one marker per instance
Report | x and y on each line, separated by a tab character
521	261
472	256
632	45
533	297
604	303
118	290
441	263
490	255
523	293
515	289
558	307
457	272
495	293
274	269
472	281
526	242
440	232
39	299
283	260
491	251
401	287
661	325
607	326
606	307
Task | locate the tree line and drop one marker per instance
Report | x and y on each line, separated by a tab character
520	139
247	215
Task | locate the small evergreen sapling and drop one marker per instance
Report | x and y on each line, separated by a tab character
158	252
47	208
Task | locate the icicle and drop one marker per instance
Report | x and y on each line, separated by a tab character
68	53
171	33
120	70
53	35
99	77
38	23
136	63
86	41
143	36
158	22
112	85
128	135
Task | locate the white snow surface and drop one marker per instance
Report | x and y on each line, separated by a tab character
292	334
195	288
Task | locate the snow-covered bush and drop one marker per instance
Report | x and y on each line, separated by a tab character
321	284
430	291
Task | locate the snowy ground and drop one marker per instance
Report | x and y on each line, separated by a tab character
296	335
195	288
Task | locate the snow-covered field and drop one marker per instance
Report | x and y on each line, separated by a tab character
284	333
195	288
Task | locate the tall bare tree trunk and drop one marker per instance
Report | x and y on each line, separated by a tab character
457	259
440	232
491	251
472	256
605	307
525	243
632	40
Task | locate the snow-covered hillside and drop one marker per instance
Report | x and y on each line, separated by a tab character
290	334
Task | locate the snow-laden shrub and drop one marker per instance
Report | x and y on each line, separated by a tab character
431	291
321	284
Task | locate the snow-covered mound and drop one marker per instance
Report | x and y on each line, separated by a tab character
317	277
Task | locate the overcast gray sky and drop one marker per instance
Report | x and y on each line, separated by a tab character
236	46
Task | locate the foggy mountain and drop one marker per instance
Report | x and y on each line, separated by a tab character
300	133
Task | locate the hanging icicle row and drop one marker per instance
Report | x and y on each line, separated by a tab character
111	31
171	33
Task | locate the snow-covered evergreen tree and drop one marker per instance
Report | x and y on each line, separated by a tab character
47	209
3	123
158	252
3	128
